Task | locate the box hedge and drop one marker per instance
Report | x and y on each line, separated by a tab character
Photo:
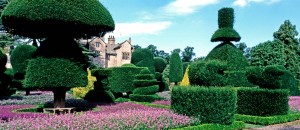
146	90
210	105
144	98
262	102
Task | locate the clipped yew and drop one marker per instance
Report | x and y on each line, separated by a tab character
59	23
143	58
176	69
5	79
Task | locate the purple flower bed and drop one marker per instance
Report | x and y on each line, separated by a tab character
118	116
7	114
162	102
294	103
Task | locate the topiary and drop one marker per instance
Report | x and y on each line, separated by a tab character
208	73
143	58
185	81
176	69
5	79
159	64
81	92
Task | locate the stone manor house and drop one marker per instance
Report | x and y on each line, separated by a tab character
111	54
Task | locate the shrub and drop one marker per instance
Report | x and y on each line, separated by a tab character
159	64
82	91
54	73
128	65
122	100
5	79
210	105
236	125
228	53
237	79
102	77
262	102
146	90
185	81
269	120
185	65
144	98
121	79
143	58
208	73
100	96
20	56
176	72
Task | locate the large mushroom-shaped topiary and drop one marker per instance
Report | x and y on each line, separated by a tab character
59	22
226	51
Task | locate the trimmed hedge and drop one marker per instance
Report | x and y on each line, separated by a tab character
237	79
228	53
262	102
144	83
121	79
20	56
269	120
236	125
146	90
50	73
176	68
159	64
41	18
210	105
3	60
100	96
144	98
143	58
208	73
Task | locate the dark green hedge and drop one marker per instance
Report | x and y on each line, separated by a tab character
237	79
228	53
121	79
100	96
144	77
20	56
50	73
262	102
144	83
210	105
208	73
226	17
176	68
269	120
41	18
159	64
102	76
143	58
146	90
3	60
144	98
236	125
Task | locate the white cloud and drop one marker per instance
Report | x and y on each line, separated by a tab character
182	7
243	3
137	28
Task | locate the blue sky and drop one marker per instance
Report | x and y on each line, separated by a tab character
171	24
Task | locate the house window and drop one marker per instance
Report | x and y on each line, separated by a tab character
97	44
125	55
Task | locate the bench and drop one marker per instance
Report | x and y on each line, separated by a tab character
59	110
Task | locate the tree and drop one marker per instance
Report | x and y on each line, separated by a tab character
177	50
176	69
287	35
188	54
226	51
137	47
153	49
66	20
6	40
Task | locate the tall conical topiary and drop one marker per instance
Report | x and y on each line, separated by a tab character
59	22
176	69
226	51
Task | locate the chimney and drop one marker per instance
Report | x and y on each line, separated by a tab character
111	40
129	40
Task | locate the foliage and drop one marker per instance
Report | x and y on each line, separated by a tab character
228	53
120	99
236	125
143	58
20	56
159	64
237	79
185	80
100	96
188	54
5	79
208	73
226	33
209	105
144	98
121	79
268	120
37	19
268	53
165	73
6	40
176	69
128	65
3	60
262	102
146	90
82	91
53	73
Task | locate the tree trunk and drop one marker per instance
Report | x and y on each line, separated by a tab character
27	92
59	98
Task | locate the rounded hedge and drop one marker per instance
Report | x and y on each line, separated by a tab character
143	58
43	18
146	90
176	68
159	64
51	73
20	56
228	53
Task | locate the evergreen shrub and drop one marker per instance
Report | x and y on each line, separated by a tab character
208	73
146	90
262	102
144	98
143	58
237	79
159	64
100	96
176	68
210	105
